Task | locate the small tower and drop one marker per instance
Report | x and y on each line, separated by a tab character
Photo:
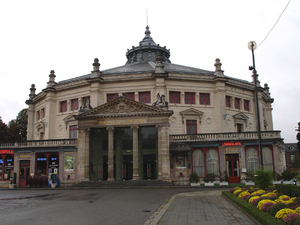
96	69
51	82
218	72
32	92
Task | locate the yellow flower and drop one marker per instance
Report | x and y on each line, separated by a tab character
282	213
262	202
253	198
284	196
243	193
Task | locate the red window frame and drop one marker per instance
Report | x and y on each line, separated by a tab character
73	132
189	97
247	105
191	126
228	101
145	97
63	106
237	103
111	97
174	97
74	104
204	99
47	155
129	95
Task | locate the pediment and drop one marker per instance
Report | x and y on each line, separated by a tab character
123	107
240	116
191	114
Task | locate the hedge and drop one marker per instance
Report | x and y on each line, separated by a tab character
290	190
259	215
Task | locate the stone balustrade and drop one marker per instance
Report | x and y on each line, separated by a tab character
41	143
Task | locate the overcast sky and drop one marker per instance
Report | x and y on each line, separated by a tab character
66	36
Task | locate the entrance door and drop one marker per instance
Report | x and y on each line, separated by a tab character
232	161
149	170
24	175
127	167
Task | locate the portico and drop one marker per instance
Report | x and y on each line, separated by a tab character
123	140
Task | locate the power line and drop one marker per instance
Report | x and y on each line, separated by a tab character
275	24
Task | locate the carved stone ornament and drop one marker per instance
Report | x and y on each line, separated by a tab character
161	102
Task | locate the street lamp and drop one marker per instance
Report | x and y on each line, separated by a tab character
252	46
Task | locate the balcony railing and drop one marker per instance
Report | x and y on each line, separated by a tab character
224	136
39	143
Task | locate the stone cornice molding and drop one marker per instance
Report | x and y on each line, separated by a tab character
190	113
123	107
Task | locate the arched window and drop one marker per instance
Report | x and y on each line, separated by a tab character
252	159
212	161
267	158
198	162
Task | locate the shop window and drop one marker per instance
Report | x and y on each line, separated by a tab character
237	102
204	99
41	165
144	97
9	167
198	163
129	95
267	158
206	162
189	98
247	105
53	163
191	126
252	159
74	104
63	106
111	97
73	132
1	168
228	101
174	97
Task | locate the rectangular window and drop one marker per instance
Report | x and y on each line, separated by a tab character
144	97
38	115
43	113
204	99
174	97
191	126
129	95
228	101
73	132
111	97
63	106
237	103
74	104
247	105
189	98
239	127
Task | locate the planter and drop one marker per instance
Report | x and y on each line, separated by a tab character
209	184
195	184
53	185
11	186
277	182
223	183
249	183
287	182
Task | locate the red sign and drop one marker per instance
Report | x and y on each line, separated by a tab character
6	151
225	144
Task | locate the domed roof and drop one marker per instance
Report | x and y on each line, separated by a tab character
147	51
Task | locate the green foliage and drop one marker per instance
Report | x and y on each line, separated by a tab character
249	176
275	208
287	175
224	176
298	136
263	178
3	131
288	189
256	213
276	176
194	178
210	177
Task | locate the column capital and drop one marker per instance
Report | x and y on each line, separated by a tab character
134	127
110	129
159	126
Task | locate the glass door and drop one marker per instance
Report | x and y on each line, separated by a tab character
232	163
24	174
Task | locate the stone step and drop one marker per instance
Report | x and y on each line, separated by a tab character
127	183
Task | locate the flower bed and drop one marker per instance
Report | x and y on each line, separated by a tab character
277	205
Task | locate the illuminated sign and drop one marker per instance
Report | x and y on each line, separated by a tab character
231	144
1	160
41	159
6	152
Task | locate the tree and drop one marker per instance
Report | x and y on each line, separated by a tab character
298	136
3	131
17	129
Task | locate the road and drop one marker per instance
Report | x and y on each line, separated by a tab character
85	206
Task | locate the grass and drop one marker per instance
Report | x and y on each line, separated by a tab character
259	215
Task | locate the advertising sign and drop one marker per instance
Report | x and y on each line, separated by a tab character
69	163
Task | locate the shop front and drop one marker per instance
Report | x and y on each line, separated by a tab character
6	165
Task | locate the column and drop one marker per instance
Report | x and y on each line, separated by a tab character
135	153
110	153
83	154
163	153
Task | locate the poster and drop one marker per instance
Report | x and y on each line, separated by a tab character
180	161
69	162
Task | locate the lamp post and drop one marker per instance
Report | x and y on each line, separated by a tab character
252	46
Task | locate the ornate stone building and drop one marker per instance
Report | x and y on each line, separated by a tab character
147	119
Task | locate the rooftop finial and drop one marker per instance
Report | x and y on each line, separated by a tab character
96	69
51	79
147	17
218	71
